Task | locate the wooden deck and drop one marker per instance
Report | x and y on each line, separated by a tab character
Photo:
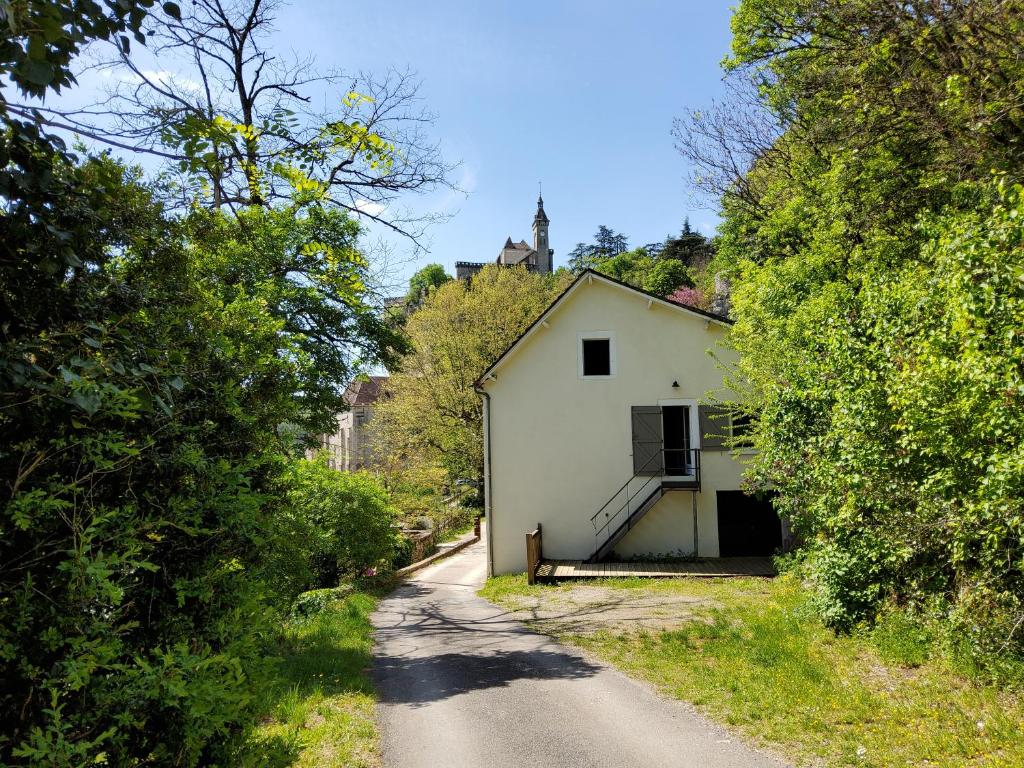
558	570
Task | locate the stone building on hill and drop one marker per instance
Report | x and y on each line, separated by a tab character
348	449
538	258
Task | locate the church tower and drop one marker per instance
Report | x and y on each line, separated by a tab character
545	255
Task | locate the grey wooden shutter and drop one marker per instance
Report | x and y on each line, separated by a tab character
648	458
714	427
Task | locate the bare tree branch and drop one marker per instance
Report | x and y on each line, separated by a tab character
223	108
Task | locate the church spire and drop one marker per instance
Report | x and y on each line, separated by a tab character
541	216
544	254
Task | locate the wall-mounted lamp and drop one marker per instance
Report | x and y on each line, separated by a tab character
675	385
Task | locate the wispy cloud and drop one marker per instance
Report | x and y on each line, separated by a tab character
467	179
162	77
370	208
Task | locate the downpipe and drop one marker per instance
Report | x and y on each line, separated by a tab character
487	478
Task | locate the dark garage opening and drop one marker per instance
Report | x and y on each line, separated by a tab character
748	526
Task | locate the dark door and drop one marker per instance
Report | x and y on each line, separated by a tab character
647	458
748	526
676	430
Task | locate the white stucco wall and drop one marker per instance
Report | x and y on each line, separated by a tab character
560	444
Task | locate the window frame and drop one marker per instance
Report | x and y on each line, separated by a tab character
613	366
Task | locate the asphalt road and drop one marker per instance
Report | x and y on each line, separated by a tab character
462	685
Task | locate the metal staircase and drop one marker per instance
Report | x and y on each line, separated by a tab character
638	495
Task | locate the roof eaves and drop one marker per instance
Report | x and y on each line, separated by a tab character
703	314
529	329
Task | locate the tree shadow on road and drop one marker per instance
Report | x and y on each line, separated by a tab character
421	680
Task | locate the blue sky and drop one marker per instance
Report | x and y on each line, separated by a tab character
579	94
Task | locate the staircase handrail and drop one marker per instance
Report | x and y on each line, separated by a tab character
637	474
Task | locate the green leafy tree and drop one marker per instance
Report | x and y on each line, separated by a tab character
420	284
690	247
136	447
304	269
851	233
147	366
432	416
665	276
655	274
346	519
607	244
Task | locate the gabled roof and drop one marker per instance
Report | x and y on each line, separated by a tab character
520	246
364	391
585	277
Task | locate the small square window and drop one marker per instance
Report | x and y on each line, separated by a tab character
597	357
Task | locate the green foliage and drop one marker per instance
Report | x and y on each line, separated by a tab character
666	276
876	262
311	603
690	247
133	614
420	284
659	268
304	270
42	37
754	654
317	709
146	368
433	418
348	518
607	244
655	274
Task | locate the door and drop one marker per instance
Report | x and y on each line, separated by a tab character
748	526
647	455
675	421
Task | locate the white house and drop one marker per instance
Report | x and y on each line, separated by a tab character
594	427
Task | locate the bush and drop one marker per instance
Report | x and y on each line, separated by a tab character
309	604
348	521
134	464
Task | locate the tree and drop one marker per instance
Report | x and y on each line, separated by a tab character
665	276
305	269
140	432
607	243
346	521
433	416
655	274
850	235
690	247
582	257
147	366
423	281
41	40
235	124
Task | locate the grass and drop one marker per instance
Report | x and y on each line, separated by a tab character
758	659
320	711
458	531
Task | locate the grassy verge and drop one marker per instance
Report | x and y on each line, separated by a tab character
754	656
457	532
320	711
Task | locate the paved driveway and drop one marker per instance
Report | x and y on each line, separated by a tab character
461	684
